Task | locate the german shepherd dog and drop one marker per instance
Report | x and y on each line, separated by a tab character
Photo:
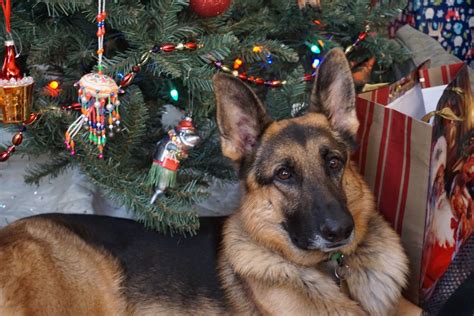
303	203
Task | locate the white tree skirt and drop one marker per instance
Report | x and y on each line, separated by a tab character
72	193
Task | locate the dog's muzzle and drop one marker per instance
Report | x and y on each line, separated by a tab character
319	243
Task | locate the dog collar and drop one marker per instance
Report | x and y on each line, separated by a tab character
342	270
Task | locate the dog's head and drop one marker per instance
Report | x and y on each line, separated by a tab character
295	171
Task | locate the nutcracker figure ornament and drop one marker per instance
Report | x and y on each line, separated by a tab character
168	154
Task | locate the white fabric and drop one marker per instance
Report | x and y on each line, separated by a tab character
416	102
72	193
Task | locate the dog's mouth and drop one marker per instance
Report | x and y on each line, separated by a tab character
319	243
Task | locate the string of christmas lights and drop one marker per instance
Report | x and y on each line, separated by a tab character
314	48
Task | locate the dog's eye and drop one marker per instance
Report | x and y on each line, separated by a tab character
335	164
283	174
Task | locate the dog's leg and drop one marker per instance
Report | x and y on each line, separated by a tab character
379	269
46	270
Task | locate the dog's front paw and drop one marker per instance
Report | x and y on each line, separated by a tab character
379	269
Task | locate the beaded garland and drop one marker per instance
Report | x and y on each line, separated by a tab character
163	48
17	138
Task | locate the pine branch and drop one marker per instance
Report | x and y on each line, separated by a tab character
52	169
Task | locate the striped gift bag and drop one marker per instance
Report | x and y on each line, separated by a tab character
395	152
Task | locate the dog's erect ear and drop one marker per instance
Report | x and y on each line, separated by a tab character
334	95
241	117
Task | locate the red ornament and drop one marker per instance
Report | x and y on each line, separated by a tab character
209	8
308	77
168	48
127	79
243	76
362	36
17	139
10	69
136	68
4	156
31	119
74	107
190	45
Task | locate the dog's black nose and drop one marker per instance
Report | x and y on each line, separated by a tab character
337	230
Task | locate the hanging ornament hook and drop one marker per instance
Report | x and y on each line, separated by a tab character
101	15
20	43
6	7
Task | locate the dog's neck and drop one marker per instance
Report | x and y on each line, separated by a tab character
264	276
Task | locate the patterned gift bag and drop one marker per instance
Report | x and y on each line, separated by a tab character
397	156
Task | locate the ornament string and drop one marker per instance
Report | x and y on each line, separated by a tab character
100	33
6	7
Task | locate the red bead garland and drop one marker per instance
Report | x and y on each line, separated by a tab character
362	36
17	138
165	48
256	80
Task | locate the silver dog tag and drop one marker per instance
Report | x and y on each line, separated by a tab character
342	271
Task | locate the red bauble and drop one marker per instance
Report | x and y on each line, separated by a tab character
209	8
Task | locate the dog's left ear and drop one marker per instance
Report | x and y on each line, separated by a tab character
334	95
240	115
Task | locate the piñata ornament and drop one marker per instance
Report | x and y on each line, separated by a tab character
16	91
168	154
98	96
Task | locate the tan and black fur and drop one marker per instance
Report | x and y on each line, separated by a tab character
302	201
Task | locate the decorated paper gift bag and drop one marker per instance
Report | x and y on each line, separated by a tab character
421	172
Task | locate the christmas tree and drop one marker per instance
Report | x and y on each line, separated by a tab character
165	52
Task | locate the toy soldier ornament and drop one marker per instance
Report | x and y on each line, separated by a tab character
169	152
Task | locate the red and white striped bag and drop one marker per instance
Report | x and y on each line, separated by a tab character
395	153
